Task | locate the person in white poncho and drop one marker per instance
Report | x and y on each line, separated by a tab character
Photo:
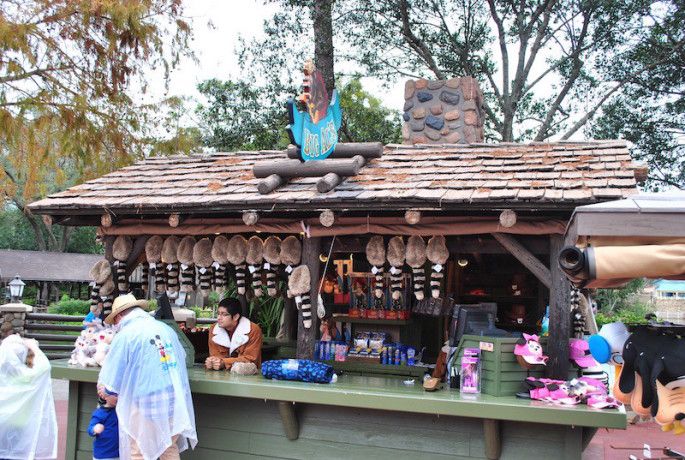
28	424
145	368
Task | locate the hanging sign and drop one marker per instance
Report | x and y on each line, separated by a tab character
314	131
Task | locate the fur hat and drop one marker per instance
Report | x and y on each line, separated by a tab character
416	251
170	250
255	250
122	246
437	251
236	250
375	251
272	250
185	250
396	251
299	281
107	287
219	249
202	253
153	249
291	251
101	271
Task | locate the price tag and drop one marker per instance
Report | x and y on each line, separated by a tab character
487	346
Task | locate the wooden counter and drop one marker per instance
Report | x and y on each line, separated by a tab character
374	417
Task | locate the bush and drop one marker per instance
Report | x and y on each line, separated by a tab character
69	306
625	316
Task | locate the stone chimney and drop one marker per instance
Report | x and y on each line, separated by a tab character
443	111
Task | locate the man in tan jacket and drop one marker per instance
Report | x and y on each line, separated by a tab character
234	338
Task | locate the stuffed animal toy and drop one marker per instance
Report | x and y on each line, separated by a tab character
416	259
185	257
438	254
244	369
272	255
170	261
236	253
104	339
202	258
99	273
121	249
299	284
528	351
375	254
84	348
153	255
396	254
291	254
220	260
254	258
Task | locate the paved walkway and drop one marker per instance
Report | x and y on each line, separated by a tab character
60	391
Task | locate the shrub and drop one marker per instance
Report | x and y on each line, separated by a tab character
69	306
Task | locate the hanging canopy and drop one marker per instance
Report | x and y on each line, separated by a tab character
612	243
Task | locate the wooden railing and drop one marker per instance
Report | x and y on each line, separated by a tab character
56	339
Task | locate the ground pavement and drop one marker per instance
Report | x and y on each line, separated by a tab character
605	444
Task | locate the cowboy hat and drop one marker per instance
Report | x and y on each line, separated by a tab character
122	303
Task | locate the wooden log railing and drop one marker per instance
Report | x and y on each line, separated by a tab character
56	339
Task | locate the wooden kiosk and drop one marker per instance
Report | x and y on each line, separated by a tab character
502	207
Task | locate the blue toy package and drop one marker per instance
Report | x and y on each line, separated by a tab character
297	369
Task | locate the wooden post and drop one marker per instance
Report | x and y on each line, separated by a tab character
270	184
346	150
559	314
291	427
136	251
328	182
290	318
492	439
311	248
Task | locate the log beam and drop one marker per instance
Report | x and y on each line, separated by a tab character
291	427
270	184
306	338
295	168
136	251
346	150
524	256
492	439
328	182
559	315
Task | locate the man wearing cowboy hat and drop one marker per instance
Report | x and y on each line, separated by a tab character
145	368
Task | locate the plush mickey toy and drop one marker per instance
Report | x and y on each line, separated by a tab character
375	254
202	258
185	257
220	259
395	255
254	258
99	273
235	253
121	249
299	284
416	259
153	255
438	254
272	255
170	261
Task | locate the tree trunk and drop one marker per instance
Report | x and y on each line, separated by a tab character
322	16
306	338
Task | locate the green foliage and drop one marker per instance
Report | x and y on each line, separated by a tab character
625	316
612	300
202	312
266	311
69	306
365	118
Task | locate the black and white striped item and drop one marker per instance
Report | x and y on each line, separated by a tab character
172	280
396	282
94	293
240	278
107	302
577	318
378	284
304	304
597	373
122	281
256	274
205	275
158	271
187	278
436	280
219	273
419	282
271	278
145	276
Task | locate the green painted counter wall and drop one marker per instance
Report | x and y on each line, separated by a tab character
369	417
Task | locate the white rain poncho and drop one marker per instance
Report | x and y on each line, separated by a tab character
145	366
28	424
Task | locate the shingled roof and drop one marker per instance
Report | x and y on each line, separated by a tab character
536	175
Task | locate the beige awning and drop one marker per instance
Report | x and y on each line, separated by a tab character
612	243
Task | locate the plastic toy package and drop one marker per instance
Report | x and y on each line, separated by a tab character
470	371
